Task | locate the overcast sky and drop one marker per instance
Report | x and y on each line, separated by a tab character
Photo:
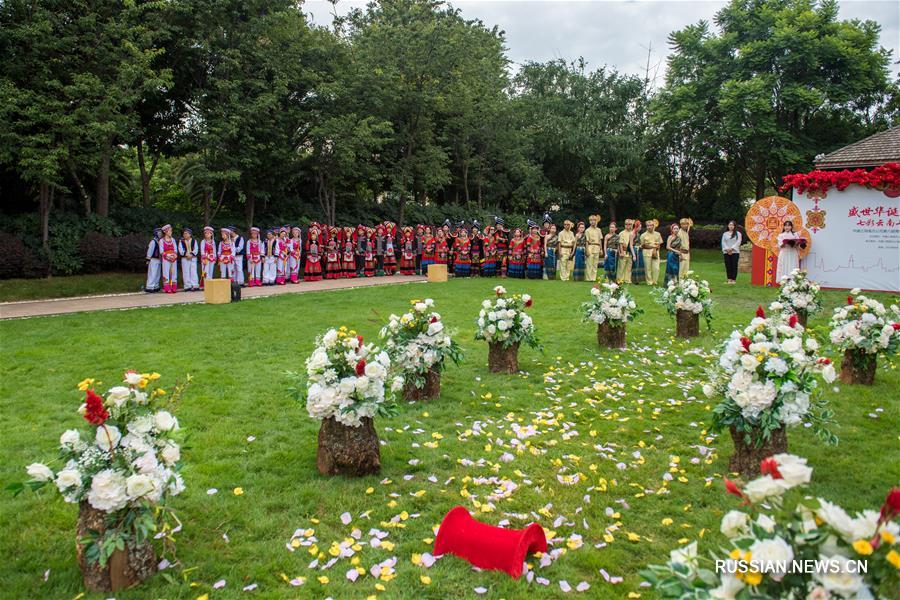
612	32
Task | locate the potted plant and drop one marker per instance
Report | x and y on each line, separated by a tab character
121	471
348	383
799	295
686	299
503	324
863	329
780	531
418	345
766	380
611	307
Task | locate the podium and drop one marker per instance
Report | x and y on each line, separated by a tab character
217	291
437	273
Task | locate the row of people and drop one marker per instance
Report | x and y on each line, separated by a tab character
289	254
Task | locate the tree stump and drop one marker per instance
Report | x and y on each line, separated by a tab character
687	324
429	391
858	366
610	336
345	450
746	457
124	569
503	360
802	316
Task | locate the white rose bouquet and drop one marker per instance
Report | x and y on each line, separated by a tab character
347	379
798	294
418	342
864	324
610	303
766	548
503	320
766	377
125	464
689	293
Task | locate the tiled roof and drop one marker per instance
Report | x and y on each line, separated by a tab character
872	151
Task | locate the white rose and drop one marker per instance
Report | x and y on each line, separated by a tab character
686	555
117	396
764	487
729	587
146	462
132	378
812	344
435	328
837	518
792	345
772	550
748	361
39	472
503	325
362	383
170	453
486	304
330	338
766	522
139	485
164	421
176	485
374	370
828	373
733	523
108	491
141	425
68	478
595	291
107	437
846	583
793	469
421	307
69	438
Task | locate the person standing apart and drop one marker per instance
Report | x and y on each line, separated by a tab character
673	257
551	242
208	256
188	249
611	252
594	244
684	231
168	250
626	253
566	242
789	243
731	250
650	243
154	266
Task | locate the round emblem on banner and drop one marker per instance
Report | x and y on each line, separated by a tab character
765	220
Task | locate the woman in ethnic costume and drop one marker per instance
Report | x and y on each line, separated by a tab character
489	246
673	258
312	270
534	247
551	241
516	265
333	267
442	250
580	261
429	250
462	247
408	252
638	274
611	249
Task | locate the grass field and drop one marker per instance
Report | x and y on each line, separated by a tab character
620	420
66	287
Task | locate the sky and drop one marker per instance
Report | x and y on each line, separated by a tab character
617	33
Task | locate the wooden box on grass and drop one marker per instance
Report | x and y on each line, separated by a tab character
217	291
437	273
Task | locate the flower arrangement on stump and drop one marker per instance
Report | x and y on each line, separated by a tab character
504	325
798	295
769	542
686	299
121	472
418	345
348	383
863	329
611	307
766	377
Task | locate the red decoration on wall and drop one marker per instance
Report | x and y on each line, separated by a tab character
817	183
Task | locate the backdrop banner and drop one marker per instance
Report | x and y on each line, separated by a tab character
855	237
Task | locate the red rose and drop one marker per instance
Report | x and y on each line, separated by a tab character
361	367
745	342
896	326
824	361
760	312
792	321
769	466
849	299
94	411
891	506
529	303
359	339
434	319
733	489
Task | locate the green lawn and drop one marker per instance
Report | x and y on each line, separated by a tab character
67	287
617	419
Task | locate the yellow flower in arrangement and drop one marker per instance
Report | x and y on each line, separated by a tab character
753	578
85	384
887	537
893	557
863	547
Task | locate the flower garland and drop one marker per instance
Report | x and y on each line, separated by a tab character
347	379
865	324
765	374
765	542
798	293
612	304
503	321
417	342
817	183
126	465
689	293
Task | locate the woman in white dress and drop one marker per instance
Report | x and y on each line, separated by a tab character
789	243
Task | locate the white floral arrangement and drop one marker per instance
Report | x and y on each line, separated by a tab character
503	320
865	324
766	377
798	293
768	543
126	464
417	342
688	293
347	379
610	303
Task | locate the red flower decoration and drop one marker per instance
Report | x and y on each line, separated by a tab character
849	299
359	339
361	367
732	488
760	312
885	177
745	342
824	361
896	326
769	466
891	506
529	303
94	411
434	319
792	321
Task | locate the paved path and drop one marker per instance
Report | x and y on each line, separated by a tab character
39	308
